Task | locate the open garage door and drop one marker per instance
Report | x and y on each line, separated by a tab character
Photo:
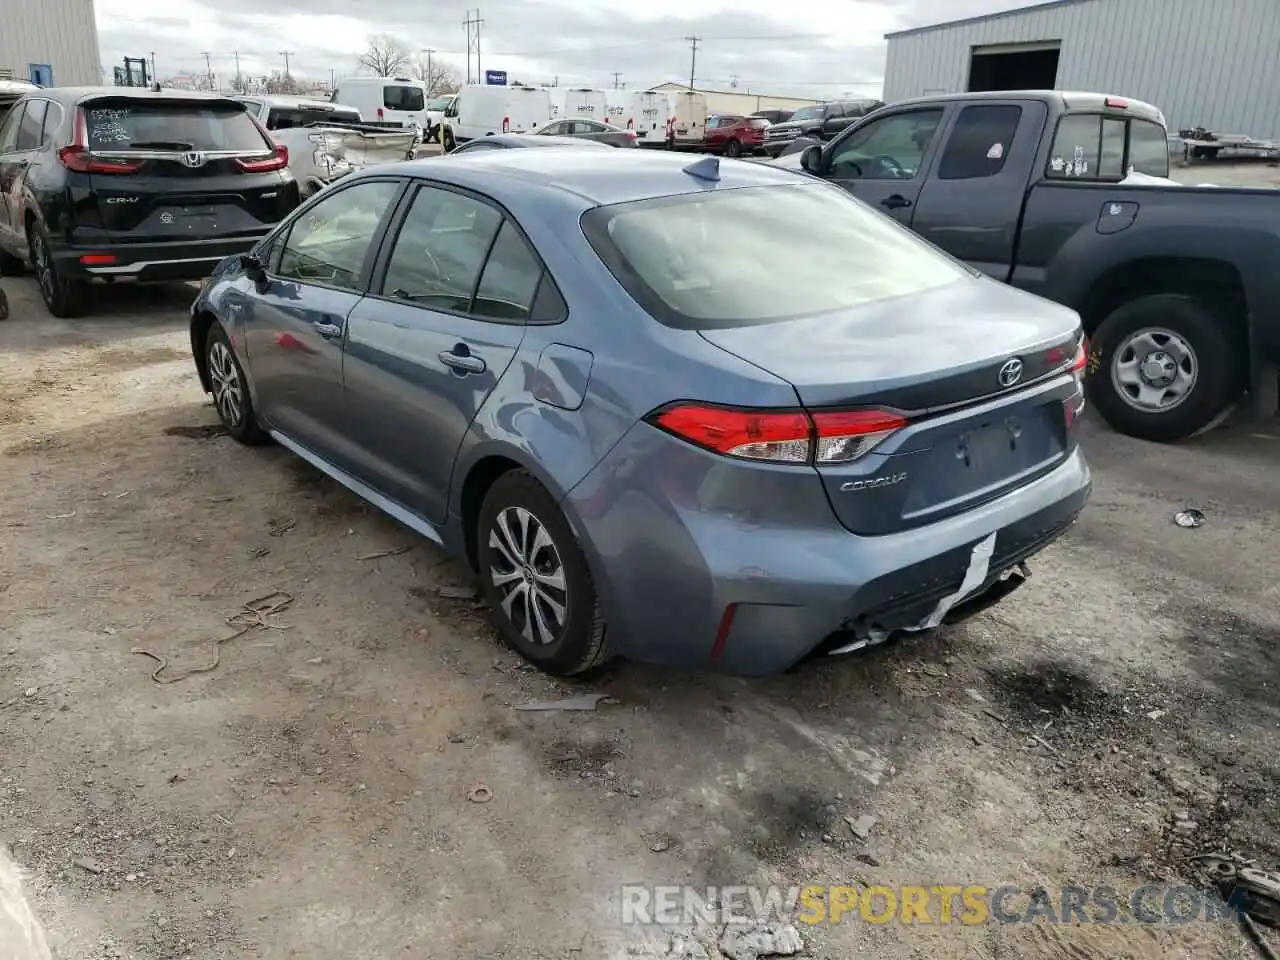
1014	66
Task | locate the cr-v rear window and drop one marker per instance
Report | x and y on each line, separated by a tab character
403	98
122	124
695	260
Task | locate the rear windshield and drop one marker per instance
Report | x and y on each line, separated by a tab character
404	98
160	125
757	122
282	118
753	255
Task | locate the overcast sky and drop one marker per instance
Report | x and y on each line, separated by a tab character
837	46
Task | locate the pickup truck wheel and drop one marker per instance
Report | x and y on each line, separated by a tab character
1163	368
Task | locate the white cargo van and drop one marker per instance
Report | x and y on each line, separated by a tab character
689	117
647	114
586	102
618	107
386	99
485	111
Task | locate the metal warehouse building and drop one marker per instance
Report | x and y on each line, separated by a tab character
1215	65
49	42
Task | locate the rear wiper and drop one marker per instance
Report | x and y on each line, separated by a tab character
162	145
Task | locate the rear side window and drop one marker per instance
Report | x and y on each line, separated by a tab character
510	279
32	121
403	98
979	142
124	124
693	261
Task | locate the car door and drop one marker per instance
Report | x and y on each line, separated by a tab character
13	169
442	323
293	335
884	161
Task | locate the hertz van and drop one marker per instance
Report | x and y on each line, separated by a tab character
647	114
386	99
480	110
587	103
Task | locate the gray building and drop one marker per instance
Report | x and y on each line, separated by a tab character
1203	64
50	42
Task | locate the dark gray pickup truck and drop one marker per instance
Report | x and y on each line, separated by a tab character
1178	286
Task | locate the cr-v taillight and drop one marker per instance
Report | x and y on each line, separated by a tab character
77	158
278	160
780	436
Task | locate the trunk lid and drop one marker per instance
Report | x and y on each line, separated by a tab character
945	359
169	169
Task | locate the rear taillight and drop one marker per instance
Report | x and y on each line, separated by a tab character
780	436
1081	360
632	134
380	113
278	160
77	158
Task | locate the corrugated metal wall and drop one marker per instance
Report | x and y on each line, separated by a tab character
62	33
1216	65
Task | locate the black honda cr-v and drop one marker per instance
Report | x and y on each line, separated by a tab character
118	183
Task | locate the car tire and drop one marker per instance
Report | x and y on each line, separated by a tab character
230	389
526	548
449	143
1144	343
64	297
733	149
4	306
11	266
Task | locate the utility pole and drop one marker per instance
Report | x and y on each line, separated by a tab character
239	81
617	81
472	23
154	78
286	54
208	68
693	57
430	78
733	81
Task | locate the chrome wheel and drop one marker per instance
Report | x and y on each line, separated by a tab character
529	576
42	266
1154	370
227	390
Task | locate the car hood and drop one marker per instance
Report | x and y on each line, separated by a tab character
795	126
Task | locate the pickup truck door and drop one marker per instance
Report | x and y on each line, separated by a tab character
970	204
884	161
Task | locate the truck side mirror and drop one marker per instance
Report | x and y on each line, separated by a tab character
811	159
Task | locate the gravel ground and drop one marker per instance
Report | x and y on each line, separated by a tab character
309	797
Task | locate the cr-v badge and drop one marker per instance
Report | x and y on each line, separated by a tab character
857	486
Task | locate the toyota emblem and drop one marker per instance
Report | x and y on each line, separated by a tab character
1010	372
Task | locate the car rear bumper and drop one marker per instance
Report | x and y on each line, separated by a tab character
751	594
182	260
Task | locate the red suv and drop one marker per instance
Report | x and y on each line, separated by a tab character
734	136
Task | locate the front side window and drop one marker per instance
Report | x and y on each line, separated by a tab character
979	142
404	98
328	244
440	250
891	148
693	261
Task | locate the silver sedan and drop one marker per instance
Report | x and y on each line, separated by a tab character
582	128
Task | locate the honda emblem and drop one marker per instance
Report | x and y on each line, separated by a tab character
193	159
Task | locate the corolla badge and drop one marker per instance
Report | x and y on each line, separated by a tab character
1010	373
874	483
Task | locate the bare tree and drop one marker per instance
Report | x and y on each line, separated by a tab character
386	55
439	77
280	83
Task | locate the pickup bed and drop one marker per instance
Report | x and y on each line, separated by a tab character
1057	193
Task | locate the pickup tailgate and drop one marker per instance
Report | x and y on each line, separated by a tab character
974	376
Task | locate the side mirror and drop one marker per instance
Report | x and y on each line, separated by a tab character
811	159
252	267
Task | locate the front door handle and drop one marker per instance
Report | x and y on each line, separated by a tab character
329	331
895	202
462	362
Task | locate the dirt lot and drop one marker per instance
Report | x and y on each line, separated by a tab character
309	797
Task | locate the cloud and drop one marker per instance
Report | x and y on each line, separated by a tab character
756	44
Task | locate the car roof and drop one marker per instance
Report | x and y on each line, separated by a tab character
620	176
1065	99
539	140
78	94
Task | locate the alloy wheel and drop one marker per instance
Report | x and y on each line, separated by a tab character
1154	370
43	267
529	576
227	390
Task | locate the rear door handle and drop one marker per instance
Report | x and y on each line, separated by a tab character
895	202
462	362
329	331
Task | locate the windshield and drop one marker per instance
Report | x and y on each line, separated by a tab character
713	259
440	103
808	113
404	98
121	124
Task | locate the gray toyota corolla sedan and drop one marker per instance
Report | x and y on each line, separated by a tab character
702	413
